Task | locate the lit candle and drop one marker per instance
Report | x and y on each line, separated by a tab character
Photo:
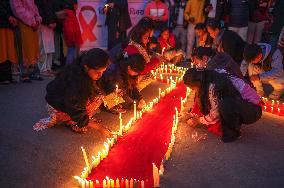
135	183
163	50
131	183
97	183
191	65
111	183
142	184
176	112
265	108
122	184
116	89
271	109
83	184
134	113
181	104
160	91
120	124
86	158
279	110
126	183
104	183
117	185
87	184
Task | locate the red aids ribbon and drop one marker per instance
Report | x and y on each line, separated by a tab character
87	28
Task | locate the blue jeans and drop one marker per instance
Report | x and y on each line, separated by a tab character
71	55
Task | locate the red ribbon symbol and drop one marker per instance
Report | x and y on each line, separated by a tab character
87	28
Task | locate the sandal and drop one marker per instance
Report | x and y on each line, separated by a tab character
79	130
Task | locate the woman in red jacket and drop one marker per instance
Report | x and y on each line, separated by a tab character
167	42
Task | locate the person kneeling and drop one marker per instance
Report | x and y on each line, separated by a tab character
124	75
223	106
264	68
73	96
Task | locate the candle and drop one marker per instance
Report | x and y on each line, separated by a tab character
176	112
163	50
126	183
271	109
83	183
135	183
279	110
91	184
122	184
120	124
86	158
97	183
142	184
104	183
131	183
181	104
265	108
116	89
111	183
191	65
87	184
117	185
134	112
160	90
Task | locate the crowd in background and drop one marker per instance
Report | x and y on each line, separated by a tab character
235	46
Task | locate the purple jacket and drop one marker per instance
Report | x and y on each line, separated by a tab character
26	11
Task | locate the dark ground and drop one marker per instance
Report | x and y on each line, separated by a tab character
51	157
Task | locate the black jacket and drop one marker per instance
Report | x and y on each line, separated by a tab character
116	74
70	91
220	9
173	19
5	13
278	16
46	11
118	16
238	12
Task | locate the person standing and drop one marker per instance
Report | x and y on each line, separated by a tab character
7	43
27	12
257	19
238	17
215	10
159	12
193	14
46	35
117	20
179	24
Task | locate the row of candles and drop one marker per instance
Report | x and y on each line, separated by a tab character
110	183
157	173
273	106
82	180
170	69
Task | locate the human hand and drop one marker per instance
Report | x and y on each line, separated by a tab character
13	21
141	104
52	25
254	78
193	122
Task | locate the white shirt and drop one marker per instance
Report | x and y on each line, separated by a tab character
212	12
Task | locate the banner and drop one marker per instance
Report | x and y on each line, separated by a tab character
92	18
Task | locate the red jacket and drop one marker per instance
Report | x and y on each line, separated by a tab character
151	62
171	43
71	30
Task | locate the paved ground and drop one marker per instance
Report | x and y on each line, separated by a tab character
51	157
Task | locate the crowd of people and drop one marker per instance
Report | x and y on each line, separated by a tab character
235	46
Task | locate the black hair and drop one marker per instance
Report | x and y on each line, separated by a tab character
233	44
251	52
76	73
200	26
203	78
136	62
214	24
163	29
142	27
203	51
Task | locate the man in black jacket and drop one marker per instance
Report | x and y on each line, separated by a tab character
215	10
117	20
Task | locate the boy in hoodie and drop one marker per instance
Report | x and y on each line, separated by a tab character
263	67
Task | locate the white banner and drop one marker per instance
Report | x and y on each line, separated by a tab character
91	19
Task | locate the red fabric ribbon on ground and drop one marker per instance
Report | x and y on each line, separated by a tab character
146	143
87	28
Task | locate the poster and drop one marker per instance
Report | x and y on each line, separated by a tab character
91	19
